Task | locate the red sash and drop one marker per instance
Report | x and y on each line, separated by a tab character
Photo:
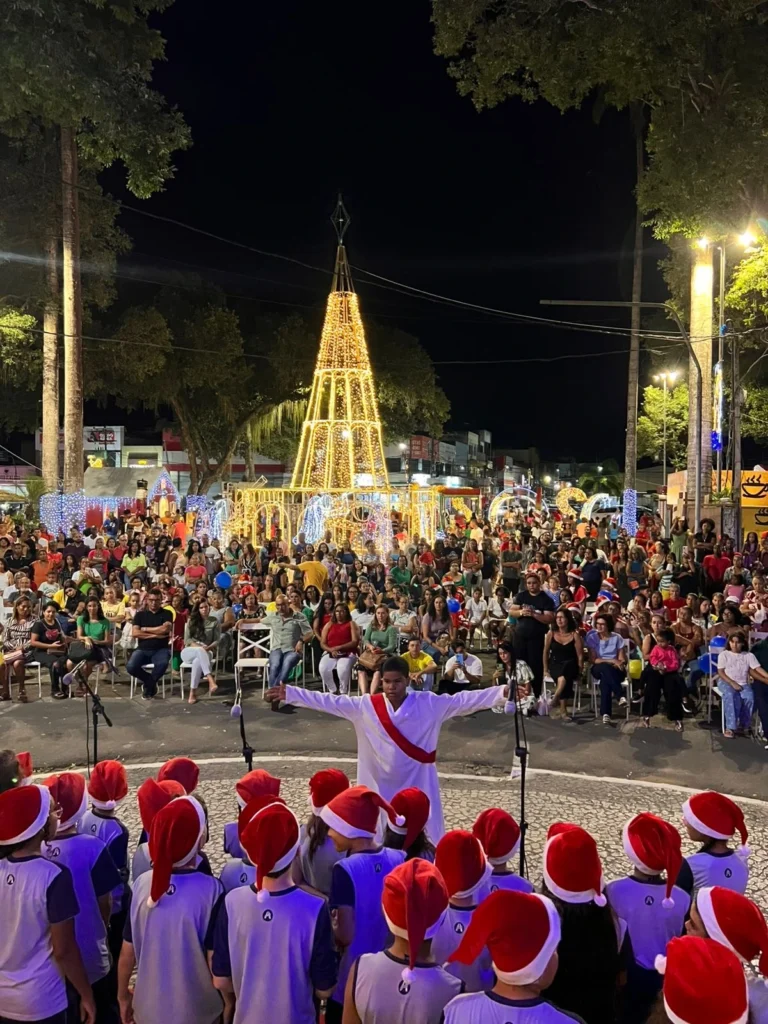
379	703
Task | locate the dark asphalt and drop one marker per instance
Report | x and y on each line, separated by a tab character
55	733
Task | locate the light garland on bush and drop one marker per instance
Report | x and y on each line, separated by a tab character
629	514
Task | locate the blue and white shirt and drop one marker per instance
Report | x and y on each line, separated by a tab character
93	875
169	941
318	870
650	925
292	929
113	833
382	997
236	873
358	882
705	868
509	880
488	1008
35	893
232	841
478	976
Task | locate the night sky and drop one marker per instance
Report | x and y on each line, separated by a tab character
290	102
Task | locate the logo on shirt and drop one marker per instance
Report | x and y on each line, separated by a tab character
170	890
494	888
459	928
54	852
10	879
404	988
267	915
93	829
244	878
377	868
728	873
649	901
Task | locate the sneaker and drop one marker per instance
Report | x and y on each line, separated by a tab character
690	708
497	709
147	696
622	702
606	719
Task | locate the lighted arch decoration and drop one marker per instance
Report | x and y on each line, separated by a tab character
510	499
564	498
312	522
596	502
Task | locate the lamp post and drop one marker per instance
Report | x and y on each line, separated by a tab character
667	377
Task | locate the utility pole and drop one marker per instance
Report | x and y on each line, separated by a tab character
736	440
700	351
694	466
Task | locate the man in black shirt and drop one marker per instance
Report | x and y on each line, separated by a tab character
151	627
16	560
534	612
75	547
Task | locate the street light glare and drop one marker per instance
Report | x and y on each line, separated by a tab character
703	242
747	239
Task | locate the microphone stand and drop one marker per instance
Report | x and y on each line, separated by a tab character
521	752
247	748
97	708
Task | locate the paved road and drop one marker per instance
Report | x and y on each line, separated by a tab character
602	807
55	732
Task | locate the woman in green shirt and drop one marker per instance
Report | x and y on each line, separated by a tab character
401	574
380	638
134	563
92	647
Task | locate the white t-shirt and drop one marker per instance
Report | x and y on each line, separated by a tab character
476	610
737	666
498	610
472	664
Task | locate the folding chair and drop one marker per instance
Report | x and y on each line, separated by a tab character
184	666
36	665
254	644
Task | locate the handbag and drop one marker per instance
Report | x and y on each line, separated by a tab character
371	660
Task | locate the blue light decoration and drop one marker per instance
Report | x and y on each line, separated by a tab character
312	523
717	409
59	511
629	514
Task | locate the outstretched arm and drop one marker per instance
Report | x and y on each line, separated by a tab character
468	702
340	705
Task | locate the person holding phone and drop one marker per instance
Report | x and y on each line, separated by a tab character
462	671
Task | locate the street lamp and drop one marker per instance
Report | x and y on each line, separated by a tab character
599	469
668	377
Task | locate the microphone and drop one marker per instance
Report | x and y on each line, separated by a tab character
236	711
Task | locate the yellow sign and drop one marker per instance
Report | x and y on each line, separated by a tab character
754	487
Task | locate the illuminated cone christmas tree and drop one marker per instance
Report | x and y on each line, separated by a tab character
341	447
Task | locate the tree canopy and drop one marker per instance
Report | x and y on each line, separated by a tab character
650	425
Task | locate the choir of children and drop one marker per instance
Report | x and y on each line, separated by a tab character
322	916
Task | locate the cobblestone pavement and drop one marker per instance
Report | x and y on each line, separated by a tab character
600	806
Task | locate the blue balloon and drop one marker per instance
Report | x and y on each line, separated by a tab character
223	580
706	660
237	608
718	641
453	605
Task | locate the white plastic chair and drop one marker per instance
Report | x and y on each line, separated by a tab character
36	664
254	643
184	666
134	680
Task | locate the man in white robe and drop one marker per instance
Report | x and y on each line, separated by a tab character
397	731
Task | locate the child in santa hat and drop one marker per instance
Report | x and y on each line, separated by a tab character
107	788
711	819
317	853
272	943
653	907
461	861
404	984
171	912
255	783
593	951
239	870
413	805
520	931
704	983
738	924
178	769
38	905
94	877
357	880
15	769
151	797
499	836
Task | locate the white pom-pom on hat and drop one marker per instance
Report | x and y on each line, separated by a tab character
743	852
262	895
667	903
407	975
600	900
400	820
660	963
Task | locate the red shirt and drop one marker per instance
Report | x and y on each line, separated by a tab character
715	567
672	606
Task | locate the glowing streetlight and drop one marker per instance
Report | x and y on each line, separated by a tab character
702	243
599	469
402	446
747	239
547	480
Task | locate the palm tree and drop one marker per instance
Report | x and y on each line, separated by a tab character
605	479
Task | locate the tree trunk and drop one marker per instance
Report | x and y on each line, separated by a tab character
73	316
50	445
633	378
736	481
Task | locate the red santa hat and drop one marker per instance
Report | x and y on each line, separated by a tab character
521	931
183	770
609	583
413	901
271	840
152	796
717	817
354	813
24	761
704	983
735	922
24	811
69	793
324	786
601	601
253	807
572	868
499	835
653	846
108	785
174	838
256	783
576	573
461	861
413	805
